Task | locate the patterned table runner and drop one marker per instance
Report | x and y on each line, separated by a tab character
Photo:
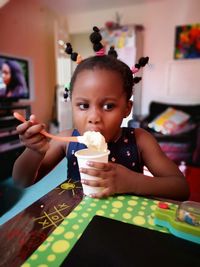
22	235
126	208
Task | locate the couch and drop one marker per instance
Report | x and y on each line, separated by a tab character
184	146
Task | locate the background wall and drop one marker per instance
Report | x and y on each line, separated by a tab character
159	19
27	30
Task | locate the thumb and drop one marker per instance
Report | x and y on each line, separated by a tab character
33	119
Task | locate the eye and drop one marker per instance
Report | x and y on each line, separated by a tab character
108	106
83	106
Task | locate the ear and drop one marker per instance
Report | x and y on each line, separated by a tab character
128	108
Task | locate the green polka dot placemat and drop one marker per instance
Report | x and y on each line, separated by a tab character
126	208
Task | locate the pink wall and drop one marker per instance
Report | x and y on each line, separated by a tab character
27	30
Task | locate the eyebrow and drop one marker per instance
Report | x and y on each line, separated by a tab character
103	99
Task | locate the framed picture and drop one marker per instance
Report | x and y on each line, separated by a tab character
187	42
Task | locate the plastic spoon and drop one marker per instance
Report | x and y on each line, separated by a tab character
79	139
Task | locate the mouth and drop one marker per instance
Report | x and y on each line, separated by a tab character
94	130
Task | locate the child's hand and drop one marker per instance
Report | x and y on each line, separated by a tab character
112	178
30	136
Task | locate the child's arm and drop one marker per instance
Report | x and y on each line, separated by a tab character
168	181
40	155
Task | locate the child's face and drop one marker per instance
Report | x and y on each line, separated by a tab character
99	103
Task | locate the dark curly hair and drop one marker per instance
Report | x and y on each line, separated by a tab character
110	63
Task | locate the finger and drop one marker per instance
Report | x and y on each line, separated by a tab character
34	121
33	118
102	194
93	172
35	129
31	139
39	138
35	139
99	165
94	183
21	128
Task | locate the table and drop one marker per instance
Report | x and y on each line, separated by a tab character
45	233
21	235
18	199
132	209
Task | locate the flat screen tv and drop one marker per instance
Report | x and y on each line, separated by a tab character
15	81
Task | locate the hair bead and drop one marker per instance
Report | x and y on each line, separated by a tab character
137	79
68	49
95	36
143	61
112	52
74	56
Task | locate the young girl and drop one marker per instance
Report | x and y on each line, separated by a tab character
101	88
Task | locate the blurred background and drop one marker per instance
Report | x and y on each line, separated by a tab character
35	33
35	29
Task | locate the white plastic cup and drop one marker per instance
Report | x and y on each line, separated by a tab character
85	155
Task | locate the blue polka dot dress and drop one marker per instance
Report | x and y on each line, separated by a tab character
124	151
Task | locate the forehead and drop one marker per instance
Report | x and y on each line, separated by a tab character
99	80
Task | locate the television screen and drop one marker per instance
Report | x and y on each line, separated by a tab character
14	79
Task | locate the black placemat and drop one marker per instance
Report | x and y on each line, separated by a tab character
110	243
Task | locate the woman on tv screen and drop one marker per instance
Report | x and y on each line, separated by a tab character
13	79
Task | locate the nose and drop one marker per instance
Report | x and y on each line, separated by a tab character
94	116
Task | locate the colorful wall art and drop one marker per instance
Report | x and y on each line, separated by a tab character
187	42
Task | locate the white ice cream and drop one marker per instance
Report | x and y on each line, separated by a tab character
93	140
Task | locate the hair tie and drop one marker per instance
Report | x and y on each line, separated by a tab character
79	59
134	70
101	52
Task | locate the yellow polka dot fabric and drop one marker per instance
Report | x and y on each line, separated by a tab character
128	208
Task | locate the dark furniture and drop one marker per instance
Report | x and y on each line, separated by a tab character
10	146
180	147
